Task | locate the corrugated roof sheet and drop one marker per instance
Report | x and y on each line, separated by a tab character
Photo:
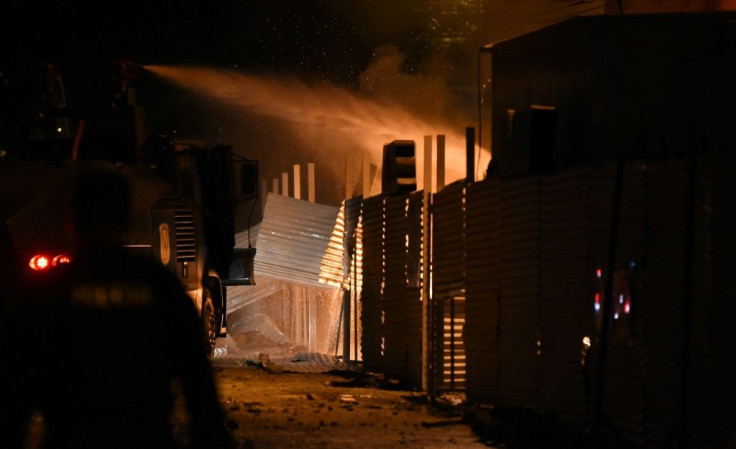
332	271
244	295
293	238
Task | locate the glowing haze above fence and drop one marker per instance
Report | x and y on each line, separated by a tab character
358	122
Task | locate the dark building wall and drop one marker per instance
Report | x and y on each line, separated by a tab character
641	84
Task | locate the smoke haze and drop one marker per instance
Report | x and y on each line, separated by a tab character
353	76
324	123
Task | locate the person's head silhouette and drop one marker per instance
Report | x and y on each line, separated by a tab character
101	200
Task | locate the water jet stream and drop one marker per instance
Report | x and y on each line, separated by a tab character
357	122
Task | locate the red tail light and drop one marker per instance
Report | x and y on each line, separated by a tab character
41	262
60	259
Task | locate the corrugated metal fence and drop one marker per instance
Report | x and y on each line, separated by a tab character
448	298
602	295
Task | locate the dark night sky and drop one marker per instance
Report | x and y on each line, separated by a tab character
327	38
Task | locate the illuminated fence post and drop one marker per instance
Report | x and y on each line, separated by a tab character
425	260
440	162
297	182
310	182
285	184
264	194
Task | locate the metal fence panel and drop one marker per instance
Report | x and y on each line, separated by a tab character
353	266
565	306
394	291
448	240
536	255
482	254
371	316
714	390
663	296
618	385
519	274
413	289
448	288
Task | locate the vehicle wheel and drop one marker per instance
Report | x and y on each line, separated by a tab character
209	320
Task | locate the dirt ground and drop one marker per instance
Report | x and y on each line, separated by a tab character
271	408
270	404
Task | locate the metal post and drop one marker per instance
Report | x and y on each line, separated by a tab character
346	326
264	194
426	257
310	182
355	292
470	154
297	182
440	162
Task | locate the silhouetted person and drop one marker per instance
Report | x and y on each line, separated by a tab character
102	340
